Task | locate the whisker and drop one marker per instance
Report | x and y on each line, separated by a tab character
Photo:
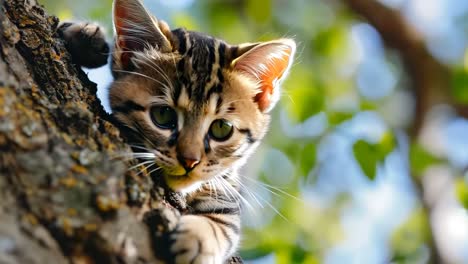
144	155
131	156
143	136
139	74
143	58
158	168
134	154
227	191
140	147
210	186
168	84
270	188
252	195
265	201
146	168
232	189
122	155
273	208
219	184
140	164
157	68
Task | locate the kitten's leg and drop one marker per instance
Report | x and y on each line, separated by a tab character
211	233
86	42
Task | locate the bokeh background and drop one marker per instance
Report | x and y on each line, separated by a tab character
366	160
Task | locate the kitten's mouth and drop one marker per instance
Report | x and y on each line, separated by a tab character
176	172
173	174
178	182
177	176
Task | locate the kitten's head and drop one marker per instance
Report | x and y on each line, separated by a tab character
200	105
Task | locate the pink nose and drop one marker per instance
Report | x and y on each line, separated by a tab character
189	163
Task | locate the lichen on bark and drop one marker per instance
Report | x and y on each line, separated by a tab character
64	196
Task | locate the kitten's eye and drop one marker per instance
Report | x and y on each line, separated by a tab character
164	117
221	130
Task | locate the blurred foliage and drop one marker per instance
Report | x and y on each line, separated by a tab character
323	87
408	240
461	190
460	85
369	155
421	159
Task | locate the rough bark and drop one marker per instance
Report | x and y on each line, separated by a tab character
64	197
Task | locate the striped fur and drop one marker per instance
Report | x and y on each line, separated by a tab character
202	79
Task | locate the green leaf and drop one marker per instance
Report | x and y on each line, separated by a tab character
366	154
407	242
386	145
307	158
306	95
369	155
255	253
331	42
259	10
224	21
460	86
182	18
367	105
461	190
420	159
335	118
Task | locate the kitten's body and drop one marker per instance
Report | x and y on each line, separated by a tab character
197	107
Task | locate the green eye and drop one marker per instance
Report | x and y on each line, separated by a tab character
221	130
164	117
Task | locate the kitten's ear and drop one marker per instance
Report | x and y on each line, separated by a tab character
136	29
268	64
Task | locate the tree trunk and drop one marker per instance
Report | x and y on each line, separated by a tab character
64	196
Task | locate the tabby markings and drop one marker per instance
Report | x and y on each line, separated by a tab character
129	106
248	134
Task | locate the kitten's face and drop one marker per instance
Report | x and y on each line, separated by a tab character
182	114
200	105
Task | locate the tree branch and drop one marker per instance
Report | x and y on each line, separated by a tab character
430	80
65	197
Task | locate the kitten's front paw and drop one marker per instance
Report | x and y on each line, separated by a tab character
193	241
86	42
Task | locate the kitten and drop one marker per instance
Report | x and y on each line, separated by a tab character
198	107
